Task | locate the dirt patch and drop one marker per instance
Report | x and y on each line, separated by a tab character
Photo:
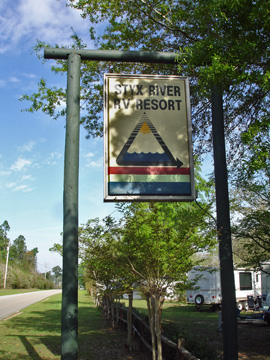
253	340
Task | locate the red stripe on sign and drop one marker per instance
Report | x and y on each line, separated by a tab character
151	170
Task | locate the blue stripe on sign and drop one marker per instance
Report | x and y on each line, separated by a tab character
146	188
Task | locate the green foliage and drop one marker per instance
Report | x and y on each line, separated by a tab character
4	228
198	344
58	248
47	99
150	250
100	255
252	238
18	253
217	41
251	231
159	240
57	271
18	249
18	278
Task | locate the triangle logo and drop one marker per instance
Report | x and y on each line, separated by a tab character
162	158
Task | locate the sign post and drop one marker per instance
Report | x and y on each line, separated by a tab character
119	157
229	325
69	315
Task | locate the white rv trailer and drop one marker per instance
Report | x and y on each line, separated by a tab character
249	284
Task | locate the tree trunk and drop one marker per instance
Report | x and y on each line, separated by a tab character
117	312
112	311
152	325
129	320
158	304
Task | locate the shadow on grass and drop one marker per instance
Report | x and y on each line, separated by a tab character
29	348
36	334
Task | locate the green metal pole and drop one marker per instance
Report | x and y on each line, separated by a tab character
229	325
113	55
69	330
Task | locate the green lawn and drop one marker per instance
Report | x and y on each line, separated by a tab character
36	334
16	291
200	330
184	321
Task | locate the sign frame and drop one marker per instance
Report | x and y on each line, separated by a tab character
188	195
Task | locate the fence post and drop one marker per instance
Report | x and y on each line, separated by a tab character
180	343
129	321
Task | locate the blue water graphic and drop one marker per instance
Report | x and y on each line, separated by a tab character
154	157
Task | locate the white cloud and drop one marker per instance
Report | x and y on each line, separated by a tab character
23	188
27	177
21	184
5	173
14	79
11	185
54	156
27	147
89	155
48	20
29	76
92	160
20	164
95	163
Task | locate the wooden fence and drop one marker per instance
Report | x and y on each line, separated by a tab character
118	315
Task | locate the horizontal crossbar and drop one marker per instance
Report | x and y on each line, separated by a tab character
113	55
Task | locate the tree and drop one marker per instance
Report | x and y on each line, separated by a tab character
252	189
105	267
4	228
158	242
151	249
251	230
18	249
252	239
57	271
31	259
219	41
58	248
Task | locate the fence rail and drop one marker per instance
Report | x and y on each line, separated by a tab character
117	313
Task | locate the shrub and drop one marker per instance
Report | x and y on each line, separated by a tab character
198	345
22	279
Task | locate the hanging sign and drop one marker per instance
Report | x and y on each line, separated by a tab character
147	136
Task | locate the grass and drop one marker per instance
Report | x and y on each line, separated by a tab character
182	315
16	291
196	327
200	330
36	334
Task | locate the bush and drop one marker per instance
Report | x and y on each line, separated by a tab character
21	279
198	345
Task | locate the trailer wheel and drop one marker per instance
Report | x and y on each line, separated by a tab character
199	300
240	306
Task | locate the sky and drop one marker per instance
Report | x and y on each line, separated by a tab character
32	144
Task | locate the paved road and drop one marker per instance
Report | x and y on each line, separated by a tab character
10	304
